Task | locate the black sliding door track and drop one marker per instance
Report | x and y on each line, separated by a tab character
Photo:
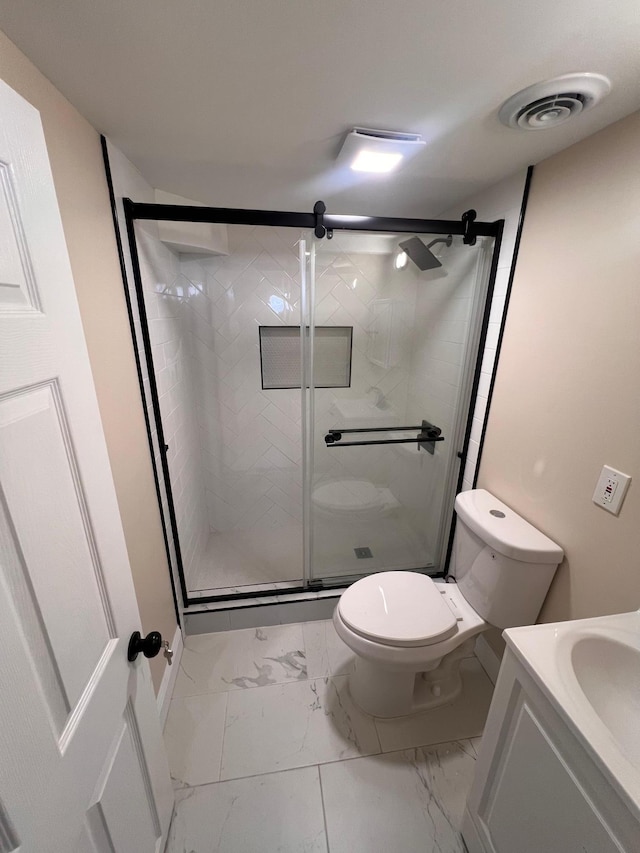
236	216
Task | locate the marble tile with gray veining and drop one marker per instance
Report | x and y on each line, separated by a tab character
275	812
463	718
410	801
236	660
193	738
294	725
325	651
446	771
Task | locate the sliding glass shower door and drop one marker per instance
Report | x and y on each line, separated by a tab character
393	349
225	356
309	383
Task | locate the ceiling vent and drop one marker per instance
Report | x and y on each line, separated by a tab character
554	102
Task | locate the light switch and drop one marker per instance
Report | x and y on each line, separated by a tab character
611	488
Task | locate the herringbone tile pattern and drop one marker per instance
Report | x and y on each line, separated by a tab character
236	449
166	297
251	438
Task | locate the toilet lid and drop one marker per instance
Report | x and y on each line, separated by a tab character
397	609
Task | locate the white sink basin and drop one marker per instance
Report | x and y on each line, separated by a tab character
608	673
590	671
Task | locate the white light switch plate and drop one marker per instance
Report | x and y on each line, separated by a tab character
611	488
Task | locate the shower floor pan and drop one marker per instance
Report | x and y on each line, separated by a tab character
250	560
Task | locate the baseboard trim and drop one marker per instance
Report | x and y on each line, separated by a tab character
470	835
169	678
489	660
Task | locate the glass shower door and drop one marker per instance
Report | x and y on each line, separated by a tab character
225	356
309	386
392	348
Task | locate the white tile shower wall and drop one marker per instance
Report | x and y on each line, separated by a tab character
442	316
501	201
166	292
251	437
350	285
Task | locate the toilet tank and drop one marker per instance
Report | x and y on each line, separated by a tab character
504	565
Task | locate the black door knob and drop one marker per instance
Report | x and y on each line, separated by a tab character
149	645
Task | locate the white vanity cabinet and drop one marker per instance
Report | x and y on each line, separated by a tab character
537	788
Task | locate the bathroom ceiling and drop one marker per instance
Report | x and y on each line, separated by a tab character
245	103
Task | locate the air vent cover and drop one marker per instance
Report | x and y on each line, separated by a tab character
553	102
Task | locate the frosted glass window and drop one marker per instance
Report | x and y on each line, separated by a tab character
280	356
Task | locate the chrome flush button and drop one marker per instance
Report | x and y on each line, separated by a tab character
497	512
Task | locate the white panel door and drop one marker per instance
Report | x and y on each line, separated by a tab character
82	763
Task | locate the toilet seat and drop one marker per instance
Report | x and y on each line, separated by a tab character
403	609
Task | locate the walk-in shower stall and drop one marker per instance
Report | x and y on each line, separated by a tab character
311	378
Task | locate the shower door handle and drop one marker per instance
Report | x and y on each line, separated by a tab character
426	437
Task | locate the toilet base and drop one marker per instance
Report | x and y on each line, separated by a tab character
386	693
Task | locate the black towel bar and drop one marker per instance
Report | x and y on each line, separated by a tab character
427	436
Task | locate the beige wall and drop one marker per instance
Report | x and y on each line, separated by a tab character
76	162
567	393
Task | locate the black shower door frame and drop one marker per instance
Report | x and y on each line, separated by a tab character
322	224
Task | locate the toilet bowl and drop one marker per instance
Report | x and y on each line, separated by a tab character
409	633
426	628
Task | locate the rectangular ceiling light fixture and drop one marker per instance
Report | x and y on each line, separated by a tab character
379	151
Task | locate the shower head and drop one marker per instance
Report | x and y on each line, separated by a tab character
421	255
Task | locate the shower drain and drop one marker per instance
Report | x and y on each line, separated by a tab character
363	553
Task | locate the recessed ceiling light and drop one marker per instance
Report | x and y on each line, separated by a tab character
376	161
379	151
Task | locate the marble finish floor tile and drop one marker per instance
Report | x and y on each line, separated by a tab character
410	801
463	718
325	652
294	725
262	814
193	738
235	660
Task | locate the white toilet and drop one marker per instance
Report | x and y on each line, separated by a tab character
410	633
